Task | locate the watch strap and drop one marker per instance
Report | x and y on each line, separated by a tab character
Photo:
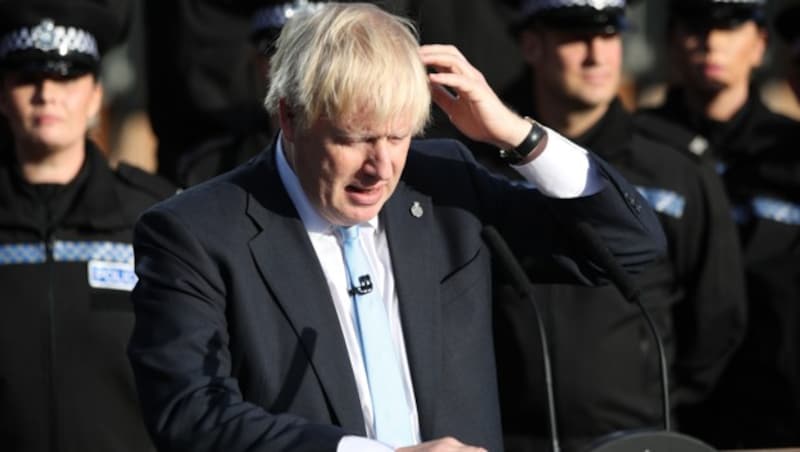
531	142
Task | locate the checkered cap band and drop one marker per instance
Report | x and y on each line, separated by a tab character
49	37
276	16
531	7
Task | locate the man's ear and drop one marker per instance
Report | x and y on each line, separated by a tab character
530	44
287	120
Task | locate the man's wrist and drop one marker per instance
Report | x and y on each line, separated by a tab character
529	147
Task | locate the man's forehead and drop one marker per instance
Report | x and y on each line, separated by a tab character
364	123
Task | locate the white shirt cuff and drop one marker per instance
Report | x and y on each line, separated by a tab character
360	444
562	170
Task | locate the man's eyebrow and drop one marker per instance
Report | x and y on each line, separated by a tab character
366	135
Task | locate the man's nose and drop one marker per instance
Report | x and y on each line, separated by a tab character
379	162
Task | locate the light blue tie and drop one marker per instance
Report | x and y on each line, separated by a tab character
389	406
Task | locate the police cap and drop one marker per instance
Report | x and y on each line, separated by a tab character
268	18
599	16
705	14
64	38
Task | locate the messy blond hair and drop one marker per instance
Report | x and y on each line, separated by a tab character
343	60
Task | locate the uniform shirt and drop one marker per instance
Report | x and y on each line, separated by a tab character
579	178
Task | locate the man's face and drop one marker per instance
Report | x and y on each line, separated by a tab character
711	60
348	169
584	68
49	112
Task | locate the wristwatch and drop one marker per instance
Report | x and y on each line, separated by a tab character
523	150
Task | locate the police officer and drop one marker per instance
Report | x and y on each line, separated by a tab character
224	151
605	362
66	260
716	45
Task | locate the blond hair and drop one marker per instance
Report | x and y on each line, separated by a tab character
342	60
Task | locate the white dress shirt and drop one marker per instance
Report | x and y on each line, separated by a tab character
562	170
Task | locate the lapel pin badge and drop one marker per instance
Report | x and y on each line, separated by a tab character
416	210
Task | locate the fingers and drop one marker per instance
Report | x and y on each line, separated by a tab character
443	98
447	59
452	70
462	85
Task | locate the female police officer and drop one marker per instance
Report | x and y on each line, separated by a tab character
66	263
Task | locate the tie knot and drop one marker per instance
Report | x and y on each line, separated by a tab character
349	233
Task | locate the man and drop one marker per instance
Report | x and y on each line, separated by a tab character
715	46
334	293
605	364
66	221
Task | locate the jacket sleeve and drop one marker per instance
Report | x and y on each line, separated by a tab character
180	354
544	233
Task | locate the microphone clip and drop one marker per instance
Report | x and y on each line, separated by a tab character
364	286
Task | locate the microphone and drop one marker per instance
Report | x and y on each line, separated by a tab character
599	253
364	286
522	283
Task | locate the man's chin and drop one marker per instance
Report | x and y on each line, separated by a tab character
357	214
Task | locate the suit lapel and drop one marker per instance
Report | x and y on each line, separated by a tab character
409	223
287	262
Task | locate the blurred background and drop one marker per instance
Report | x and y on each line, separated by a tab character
186	71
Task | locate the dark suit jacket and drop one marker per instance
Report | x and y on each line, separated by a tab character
237	345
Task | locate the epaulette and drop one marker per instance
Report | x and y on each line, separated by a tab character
671	134
152	184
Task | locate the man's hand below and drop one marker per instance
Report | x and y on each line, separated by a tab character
442	445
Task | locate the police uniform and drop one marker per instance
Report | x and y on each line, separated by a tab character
757	403
66	263
605	362
220	153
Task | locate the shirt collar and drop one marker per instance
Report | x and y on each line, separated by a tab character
312	220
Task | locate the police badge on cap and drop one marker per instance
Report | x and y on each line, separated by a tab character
717	13
601	16
269	18
63	38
